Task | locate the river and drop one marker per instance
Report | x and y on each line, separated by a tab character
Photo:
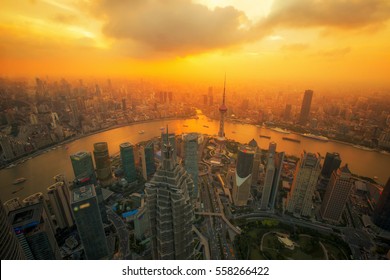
40	170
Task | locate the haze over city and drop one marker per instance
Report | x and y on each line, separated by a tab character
195	130
309	43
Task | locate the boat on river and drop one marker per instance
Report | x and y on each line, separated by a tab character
19	180
316	137
280	130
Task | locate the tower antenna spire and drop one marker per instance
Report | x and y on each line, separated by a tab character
224	87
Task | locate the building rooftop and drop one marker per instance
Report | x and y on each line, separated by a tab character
100	146
80	155
126	145
253	143
26	217
83	193
345	169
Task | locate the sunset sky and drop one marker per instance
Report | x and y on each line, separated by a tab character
303	41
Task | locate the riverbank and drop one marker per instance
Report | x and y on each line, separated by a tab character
56	145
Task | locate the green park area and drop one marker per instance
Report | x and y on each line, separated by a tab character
271	239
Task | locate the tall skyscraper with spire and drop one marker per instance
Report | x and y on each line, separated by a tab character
168	200
222	109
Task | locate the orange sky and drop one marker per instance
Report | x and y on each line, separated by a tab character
291	41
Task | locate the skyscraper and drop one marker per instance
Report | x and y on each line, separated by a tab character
300	198
191	158
243	179
10	248
331	163
222	109
381	216
89	222
337	193
102	163
60	204
128	164
305	109
33	230
274	165
256	162
287	112
168	200
82	165
148	165
268	182
279	158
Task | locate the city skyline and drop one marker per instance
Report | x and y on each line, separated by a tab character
195	130
328	43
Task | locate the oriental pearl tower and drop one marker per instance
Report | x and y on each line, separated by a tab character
222	109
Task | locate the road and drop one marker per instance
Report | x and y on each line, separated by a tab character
123	233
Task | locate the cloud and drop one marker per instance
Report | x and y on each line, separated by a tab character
182	27
173	26
342	14
295	47
65	18
334	53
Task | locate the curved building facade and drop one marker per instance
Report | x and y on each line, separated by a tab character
9	245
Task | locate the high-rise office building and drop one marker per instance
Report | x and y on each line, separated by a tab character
337	193
82	165
243	179
256	162
191	158
305	109
272	148
331	163
287	112
279	158
128	163
381	216
300	198
268	182
40	198
146	154
10	248
273	171
102	163
34	232
89	222
60	204
168	200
